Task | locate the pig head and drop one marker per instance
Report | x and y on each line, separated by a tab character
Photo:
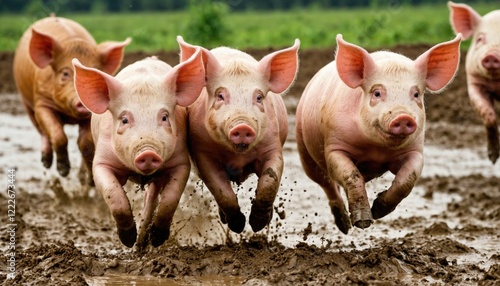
139	129
363	115
44	77
238	127
482	66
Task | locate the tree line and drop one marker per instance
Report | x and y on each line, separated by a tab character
58	6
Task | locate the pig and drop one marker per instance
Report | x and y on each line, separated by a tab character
238	127
139	126
362	115
482	66
44	78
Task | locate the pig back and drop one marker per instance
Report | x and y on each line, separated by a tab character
23	67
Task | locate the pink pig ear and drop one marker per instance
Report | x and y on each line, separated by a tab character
111	54
212	65
43	48
353	63
463	19
440	64
187	79
94	87
281	67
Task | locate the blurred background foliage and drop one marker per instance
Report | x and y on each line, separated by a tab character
154	24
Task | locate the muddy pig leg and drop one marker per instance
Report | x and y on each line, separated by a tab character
341	169
331	189
407	175
150	203
87	149
117	201
267	188
217	182
52	126
483	104
169	200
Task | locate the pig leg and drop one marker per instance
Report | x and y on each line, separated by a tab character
267	188
116	199
483	103
169	200
52	126
215	178
87	149
150	203
407	175
47	155
316	173
341	169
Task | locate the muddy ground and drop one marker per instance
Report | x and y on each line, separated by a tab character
445	233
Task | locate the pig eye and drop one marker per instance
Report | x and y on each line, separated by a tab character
377	93
416	94
164	118
259	99
480	38
65	74
220	96
124	120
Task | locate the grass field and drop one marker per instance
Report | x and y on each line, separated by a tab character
371	28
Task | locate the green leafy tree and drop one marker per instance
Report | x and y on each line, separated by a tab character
206	25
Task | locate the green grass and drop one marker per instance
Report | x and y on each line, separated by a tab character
370	28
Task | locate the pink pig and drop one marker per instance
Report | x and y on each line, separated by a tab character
139	129
363	115
482	66
44	78
238	127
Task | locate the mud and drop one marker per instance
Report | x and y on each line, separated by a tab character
444	233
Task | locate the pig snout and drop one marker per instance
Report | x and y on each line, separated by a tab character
242	134
148	162
491	62
402	125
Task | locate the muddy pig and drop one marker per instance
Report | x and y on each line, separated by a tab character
482	66
139	128
363	115
44	77
238	127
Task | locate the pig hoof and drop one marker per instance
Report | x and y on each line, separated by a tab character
47	160
158	235
380	209
362	218
222	216
128	236
493	155
236	222
342	219
258	220
63	168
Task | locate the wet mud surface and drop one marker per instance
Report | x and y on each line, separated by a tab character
445	233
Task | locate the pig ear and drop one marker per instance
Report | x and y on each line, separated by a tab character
187	79
440	64
94	87
280	68
353	63
111	54
43	48
212	65
187	50
463	19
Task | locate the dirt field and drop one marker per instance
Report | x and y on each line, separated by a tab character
445	233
